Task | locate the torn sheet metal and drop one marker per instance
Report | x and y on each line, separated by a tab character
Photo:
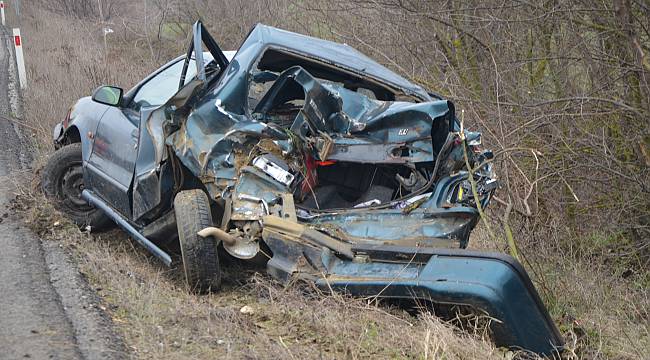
289	118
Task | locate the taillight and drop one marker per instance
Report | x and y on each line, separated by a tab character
325	163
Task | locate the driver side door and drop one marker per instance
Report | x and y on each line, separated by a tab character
111	165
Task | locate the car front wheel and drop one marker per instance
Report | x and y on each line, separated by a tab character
63	183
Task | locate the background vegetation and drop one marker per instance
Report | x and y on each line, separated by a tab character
560	90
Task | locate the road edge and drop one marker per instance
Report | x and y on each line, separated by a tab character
94	333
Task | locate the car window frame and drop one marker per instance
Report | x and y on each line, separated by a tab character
130	95
131	104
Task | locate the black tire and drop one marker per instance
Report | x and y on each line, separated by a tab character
62	184
200	257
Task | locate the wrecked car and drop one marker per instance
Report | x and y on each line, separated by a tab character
304	153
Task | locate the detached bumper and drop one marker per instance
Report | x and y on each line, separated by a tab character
494	283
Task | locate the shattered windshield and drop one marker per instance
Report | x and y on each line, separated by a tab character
265	103
273	61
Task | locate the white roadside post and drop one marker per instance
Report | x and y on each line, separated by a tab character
20	60
2	12
107	31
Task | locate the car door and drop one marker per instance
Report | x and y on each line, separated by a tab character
111	164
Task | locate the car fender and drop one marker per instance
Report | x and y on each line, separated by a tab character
83	121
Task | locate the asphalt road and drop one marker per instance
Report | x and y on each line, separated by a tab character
47	310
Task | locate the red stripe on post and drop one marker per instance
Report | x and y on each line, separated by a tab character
17	40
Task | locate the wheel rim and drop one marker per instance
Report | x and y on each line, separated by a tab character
71	185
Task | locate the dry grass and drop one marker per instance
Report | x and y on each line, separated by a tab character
251	317
602	312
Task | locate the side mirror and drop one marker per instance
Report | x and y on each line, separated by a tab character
108	95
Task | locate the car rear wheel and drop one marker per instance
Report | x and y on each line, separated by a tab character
200	257
63	183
